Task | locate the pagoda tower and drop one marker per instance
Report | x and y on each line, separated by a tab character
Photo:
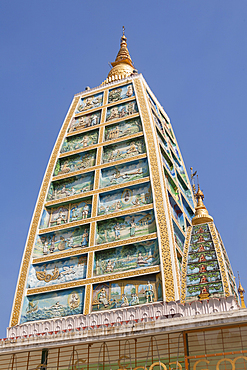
114	216
206	270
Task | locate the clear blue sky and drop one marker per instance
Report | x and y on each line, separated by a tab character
192	54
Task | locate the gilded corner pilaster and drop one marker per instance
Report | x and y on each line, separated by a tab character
167	267
21	285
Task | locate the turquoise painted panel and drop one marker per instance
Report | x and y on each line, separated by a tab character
93	101
187	209
185	189
121	111
75	162
171	185
167	125
179	237
63	240
177	213
123	150
127	257
124	173
119	228
88	120
163	141
125	293
81	210
71	186
122	129
80	141
57	272
153	104
167	162
126	198
67	213
120	93
179	167
55	304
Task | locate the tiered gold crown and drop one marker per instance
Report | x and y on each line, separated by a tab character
201	214
123	66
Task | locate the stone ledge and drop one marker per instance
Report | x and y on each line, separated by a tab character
144	317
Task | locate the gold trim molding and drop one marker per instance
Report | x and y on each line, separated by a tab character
158	199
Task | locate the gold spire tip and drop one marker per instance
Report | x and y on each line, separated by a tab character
241	293
201	214
123	66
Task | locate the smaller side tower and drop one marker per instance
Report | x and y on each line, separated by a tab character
206	269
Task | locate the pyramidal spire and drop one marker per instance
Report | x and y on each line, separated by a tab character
123	55
201	213
206	269
123	66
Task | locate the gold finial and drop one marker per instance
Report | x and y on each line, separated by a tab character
123	66
201	214
241	293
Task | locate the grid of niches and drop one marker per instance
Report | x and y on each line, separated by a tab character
91	135
178	187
